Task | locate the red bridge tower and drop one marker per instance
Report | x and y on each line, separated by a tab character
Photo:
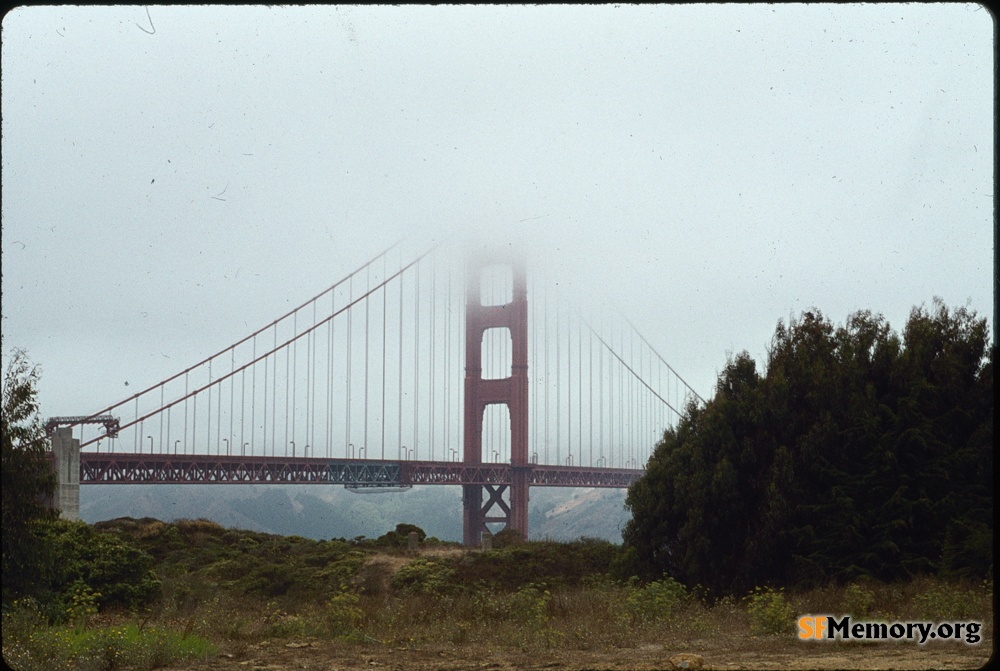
511	391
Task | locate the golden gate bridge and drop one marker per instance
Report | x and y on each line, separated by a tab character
411	370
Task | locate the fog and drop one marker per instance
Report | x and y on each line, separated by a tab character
176	177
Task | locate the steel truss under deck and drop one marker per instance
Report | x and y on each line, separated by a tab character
121	469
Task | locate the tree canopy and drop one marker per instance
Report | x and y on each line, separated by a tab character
857	452
28	482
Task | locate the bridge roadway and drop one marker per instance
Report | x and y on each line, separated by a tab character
124	468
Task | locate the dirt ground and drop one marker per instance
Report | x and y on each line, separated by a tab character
324	655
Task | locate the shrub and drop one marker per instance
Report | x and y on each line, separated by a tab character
858	600
119	573
424	576
770	612
657	600
942	601
342	614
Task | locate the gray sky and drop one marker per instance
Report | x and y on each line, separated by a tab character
175	179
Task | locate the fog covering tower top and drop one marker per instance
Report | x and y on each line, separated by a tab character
511	390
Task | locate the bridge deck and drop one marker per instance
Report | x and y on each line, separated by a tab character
123	468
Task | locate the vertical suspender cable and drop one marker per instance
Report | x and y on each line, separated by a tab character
447	368
385	300
347	384
164	447
274	397
232	393
185	413
399	387
194	425
558	390
253	402
309	345
208	437
548	380
243	398
312	368
590	353
579	414
416	361
600	398
329	403
569	386
430	370
364	434
218	417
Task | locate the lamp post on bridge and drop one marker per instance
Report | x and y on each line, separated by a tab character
150	444
226	441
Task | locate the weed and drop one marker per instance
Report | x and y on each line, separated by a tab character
31	645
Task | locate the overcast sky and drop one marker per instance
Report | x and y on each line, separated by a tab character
176	177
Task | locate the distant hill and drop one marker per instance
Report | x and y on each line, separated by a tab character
327	511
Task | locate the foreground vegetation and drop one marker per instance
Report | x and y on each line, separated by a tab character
856	474
856	452
228	592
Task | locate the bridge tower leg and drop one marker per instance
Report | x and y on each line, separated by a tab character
511	391
66	462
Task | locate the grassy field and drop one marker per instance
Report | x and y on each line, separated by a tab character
237	600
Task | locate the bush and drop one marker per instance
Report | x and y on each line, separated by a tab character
116	572
858	600
424	576
943	601
342	614
656	601
770	612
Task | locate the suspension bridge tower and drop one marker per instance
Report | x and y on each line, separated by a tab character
511	391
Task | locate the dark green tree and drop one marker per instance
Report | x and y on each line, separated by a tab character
858	452
28	482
